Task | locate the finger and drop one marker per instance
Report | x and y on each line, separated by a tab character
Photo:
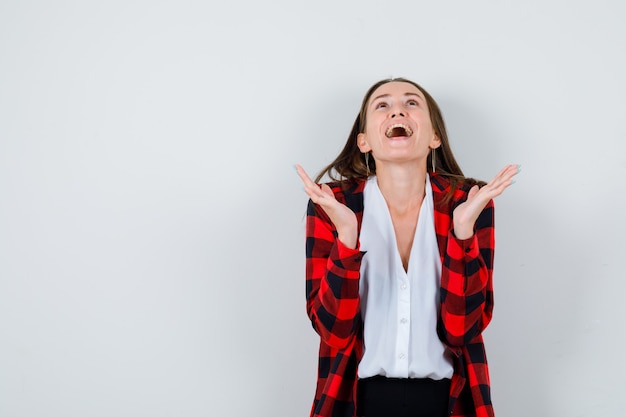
315	194
311	188
500	182
504	176
511	170
322	195
304	176
506	172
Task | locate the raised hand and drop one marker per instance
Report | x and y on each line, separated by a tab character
342	217
465	215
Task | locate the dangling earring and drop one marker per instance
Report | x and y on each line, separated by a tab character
432	158
367	162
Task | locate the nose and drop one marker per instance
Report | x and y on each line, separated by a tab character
396	111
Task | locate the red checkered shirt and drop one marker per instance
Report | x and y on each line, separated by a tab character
333	304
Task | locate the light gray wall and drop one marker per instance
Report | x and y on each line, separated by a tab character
151	223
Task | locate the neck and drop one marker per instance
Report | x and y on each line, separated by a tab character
403	186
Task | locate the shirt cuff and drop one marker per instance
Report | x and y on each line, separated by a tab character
346	252
468	247
348	258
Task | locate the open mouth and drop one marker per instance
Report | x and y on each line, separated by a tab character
398	130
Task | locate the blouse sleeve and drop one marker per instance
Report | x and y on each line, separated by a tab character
466	282
332	280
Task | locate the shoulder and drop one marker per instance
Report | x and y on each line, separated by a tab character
451	189
347	186
348	192
449	192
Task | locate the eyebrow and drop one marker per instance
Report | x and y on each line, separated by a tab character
405	95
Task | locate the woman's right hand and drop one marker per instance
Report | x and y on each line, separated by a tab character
342	217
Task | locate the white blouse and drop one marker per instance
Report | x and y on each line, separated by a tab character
400	308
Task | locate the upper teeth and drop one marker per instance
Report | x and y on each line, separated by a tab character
407	129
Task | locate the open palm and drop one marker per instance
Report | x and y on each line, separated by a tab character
466	214
342	217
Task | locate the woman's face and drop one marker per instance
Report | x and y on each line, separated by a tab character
398	126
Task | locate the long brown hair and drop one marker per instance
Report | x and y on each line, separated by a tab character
350	163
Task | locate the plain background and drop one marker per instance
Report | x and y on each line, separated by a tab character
151	222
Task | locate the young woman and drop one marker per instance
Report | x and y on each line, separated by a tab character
399	266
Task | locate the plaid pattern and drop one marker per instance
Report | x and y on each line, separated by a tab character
333	305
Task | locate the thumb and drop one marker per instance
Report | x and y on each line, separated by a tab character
472	192
327	190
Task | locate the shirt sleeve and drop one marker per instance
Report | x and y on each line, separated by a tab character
332	281
466	282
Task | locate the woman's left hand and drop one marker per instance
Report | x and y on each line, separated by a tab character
465	215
